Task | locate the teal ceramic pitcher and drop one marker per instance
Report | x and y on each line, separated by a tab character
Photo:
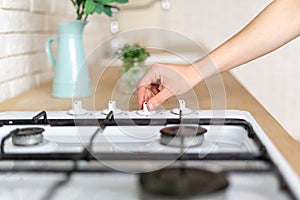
71	77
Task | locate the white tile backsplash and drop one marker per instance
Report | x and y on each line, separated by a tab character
22	84
37	64
44	76
13	67
23	32
25	27
15	4
18	43
21	43
21	21
62	8
40	5
5	91
3	50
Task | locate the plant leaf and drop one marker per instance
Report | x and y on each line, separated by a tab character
99	8
111	1
107	10
89	7
121	1
132	53
104	1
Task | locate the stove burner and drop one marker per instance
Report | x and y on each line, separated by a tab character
180	181
182	135
27	136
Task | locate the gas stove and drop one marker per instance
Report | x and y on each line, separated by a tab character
140	154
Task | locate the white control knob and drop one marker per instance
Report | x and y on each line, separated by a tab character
77	109
112	106
181	106
145	110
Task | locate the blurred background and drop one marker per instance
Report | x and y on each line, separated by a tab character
26	25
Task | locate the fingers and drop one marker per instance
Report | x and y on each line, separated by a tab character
159	98
141	95
145	93
149	88
154	88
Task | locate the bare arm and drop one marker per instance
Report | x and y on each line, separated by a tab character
276	25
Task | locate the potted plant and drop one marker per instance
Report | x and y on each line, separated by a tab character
84	8
71	78
133	68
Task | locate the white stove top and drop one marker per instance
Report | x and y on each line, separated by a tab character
116	186
140	141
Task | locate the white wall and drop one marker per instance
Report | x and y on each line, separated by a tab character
272	79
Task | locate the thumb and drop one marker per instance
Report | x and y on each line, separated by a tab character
159	98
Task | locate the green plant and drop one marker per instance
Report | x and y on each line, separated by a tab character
84	8
132	55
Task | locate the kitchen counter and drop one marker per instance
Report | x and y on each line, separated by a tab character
237	98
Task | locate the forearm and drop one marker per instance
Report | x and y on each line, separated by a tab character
276	25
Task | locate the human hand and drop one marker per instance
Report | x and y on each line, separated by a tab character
163	81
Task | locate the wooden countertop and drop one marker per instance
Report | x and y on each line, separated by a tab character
237	97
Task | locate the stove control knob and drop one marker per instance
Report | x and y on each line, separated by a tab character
181	107
77	109
112	107
145	110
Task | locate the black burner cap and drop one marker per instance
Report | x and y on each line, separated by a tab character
183	182
182	130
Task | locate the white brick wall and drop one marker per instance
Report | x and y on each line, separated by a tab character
40	5
20	4
23	33
25	27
